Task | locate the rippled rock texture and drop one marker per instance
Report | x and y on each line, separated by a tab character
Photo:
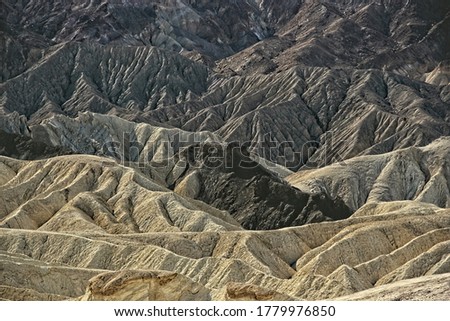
224	150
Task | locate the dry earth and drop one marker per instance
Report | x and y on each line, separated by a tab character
125	127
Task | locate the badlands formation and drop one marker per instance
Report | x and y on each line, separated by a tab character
224	150
86	227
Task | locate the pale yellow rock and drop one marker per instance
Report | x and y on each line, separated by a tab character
435	260
190	186
34	278
6	173
440	76
94	190
425	288
249	292
134	285
9	293
67	219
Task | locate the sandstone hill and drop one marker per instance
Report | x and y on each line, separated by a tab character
420	174
84	215
224	150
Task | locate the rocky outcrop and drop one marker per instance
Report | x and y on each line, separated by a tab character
407	37
144	286
133	285
23	147
404	36
99	194
210	29
43	281
316	116
440	76
14	123
249	292
76	77
301	117
148	148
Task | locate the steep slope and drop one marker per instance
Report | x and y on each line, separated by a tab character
408	37
145	286
439	76
316	116
23	147
225	177
335	81
373	34
15	55
196	165
51	282
209	29
421	174
312	116
143	146
84	193
78	77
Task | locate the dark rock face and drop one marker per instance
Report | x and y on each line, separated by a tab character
125	80
23	147
408	37
302	116
230	180
317	116
212	28
320	81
